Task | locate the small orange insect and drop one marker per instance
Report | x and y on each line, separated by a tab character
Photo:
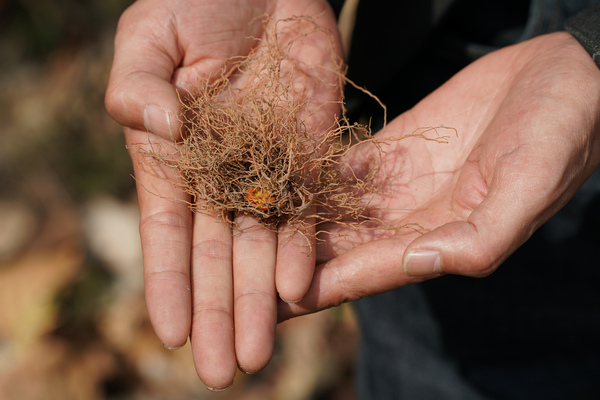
259	197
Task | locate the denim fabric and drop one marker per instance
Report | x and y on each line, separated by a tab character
532	329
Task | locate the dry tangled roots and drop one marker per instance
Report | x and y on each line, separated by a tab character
258	139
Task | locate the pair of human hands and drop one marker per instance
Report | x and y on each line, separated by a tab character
526	119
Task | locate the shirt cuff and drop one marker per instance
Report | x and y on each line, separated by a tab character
585	27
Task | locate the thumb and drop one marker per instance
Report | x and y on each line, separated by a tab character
457	248
146	102
478	245
140	94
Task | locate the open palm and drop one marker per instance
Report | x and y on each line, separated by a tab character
527	123
200	280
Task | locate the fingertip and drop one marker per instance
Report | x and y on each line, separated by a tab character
173	347
296	261
170	318
255	338
216	375
455	248
292	299
172	333
218	384
256	363
171	339
293	281
146	102
212	389
215	365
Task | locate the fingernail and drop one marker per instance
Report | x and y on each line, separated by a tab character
245	372
172	348
218	390
157	120
290	301
422	262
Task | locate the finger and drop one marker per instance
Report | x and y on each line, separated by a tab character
501	218
371	268
520	182
165	232
296	255
477	246
212	322
139	93
254	255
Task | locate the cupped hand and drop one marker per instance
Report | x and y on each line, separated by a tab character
527	121
200	280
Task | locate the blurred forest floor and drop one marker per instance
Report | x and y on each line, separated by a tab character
73	322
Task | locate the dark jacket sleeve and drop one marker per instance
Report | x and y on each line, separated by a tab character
585	27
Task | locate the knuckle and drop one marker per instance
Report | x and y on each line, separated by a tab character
211	250
257	236
169	275
207	316
480	267
110	100
347	289
163	218
482	271
115	101
252	296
